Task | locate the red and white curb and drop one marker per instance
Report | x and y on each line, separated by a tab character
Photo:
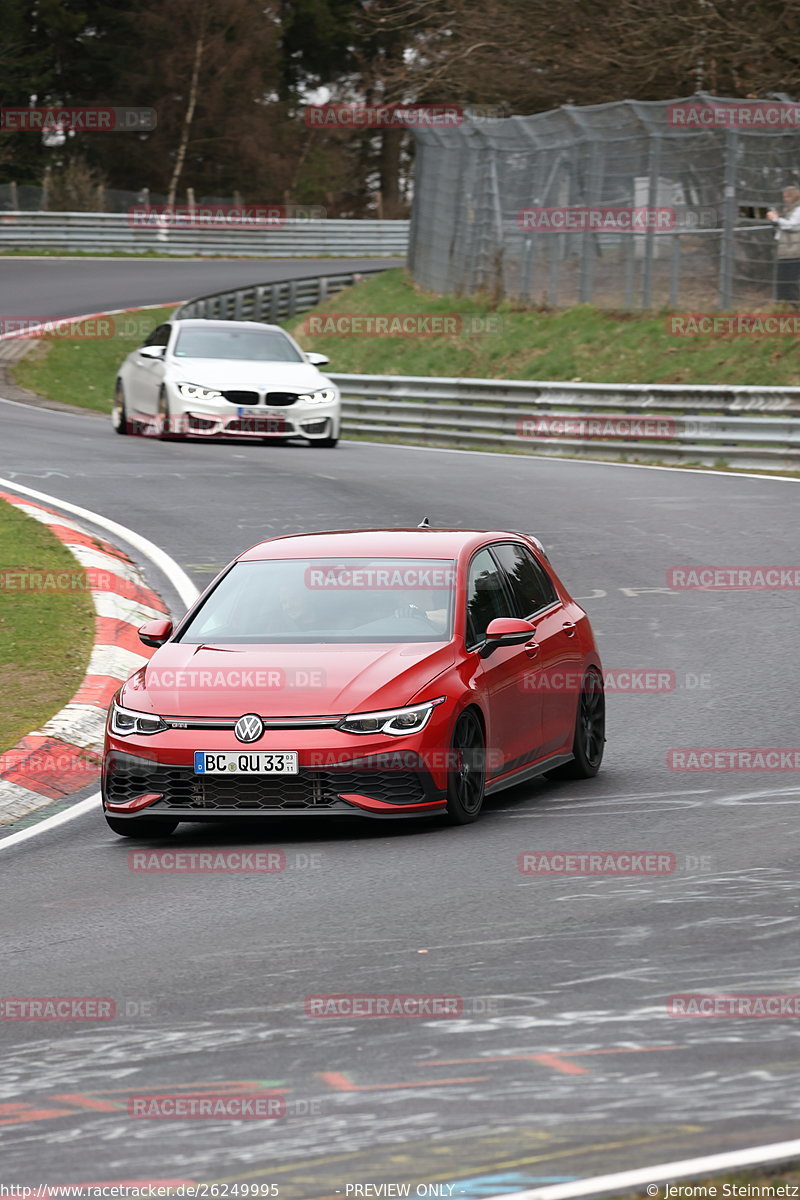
64	755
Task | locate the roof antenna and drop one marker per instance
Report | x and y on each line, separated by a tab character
424	524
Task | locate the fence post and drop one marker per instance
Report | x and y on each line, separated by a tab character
729	214
588	242
652	203
274	303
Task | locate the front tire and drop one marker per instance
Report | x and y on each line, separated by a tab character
119	415
164	416
466	778
140	829
328	441
590	731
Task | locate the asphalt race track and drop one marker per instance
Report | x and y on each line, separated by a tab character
68	287
565	1062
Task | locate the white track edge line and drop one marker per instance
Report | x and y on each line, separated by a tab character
181	582
662	1173
69	814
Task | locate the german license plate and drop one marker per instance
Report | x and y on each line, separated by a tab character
243	762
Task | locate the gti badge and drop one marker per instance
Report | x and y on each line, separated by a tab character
249	728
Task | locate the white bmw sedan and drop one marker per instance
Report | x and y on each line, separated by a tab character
241	379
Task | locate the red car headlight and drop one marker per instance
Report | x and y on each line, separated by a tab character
125	721
395	721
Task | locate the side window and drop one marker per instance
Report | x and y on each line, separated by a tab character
487	597
159	336
531	586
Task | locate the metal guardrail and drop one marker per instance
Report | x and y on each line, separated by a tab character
713	425
109	232
272	302
653	423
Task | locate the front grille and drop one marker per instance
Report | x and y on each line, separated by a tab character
262	791
280	399
127	777
241	397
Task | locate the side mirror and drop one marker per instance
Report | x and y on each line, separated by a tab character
152	351
155	633
318	360
506	631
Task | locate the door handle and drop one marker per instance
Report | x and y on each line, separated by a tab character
569	628
531	649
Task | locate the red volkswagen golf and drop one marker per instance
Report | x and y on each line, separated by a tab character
380	673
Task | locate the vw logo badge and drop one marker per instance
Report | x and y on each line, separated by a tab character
249	728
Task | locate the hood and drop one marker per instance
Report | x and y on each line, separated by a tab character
258	376
283	681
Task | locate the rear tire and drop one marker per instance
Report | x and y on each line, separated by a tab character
140	829
590	731
119	415
466	776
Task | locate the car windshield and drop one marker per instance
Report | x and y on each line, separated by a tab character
329	600
249	345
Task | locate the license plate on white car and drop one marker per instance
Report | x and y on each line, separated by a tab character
263	762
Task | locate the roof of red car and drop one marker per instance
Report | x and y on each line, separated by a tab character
375	543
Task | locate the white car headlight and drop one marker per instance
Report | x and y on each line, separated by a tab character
193	391
396	721
125	721
326	396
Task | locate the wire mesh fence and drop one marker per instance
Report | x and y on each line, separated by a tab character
628	205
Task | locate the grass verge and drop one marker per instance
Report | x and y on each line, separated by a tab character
82	372
581	344
46	636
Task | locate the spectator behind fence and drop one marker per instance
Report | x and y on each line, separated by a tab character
787	234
